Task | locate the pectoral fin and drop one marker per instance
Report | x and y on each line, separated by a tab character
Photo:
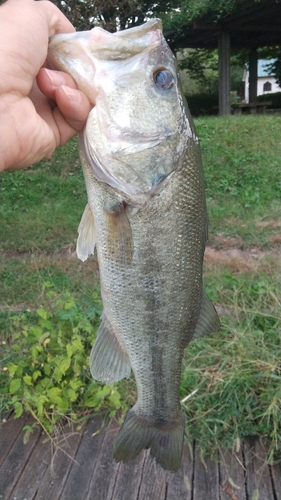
208	320
108	361
119	234
86	235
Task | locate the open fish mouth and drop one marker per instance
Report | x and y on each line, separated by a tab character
126	75
98	43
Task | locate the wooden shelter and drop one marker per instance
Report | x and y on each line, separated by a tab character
251	25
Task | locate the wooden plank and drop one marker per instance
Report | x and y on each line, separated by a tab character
86	459
258	479
153	480
9	432
104	476
56	474
180	484
206	478
128	479
16	460
276	478
232	476
34	470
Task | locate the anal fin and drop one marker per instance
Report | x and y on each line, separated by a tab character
108	361
86	235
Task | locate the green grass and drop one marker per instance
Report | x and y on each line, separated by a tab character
236	373
41	206
231	379
242	165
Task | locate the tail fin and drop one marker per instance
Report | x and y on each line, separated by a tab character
165	445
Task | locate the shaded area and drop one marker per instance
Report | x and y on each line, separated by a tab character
250	25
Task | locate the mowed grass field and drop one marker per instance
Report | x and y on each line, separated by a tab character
231	381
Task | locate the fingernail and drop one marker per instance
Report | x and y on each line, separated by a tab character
72	94
55	78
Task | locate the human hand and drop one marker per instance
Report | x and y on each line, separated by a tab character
40	108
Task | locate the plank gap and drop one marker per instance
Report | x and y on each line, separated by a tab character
57	472
273	484
258	474
193	469
79	474
26	464
10	431
140	483
16	460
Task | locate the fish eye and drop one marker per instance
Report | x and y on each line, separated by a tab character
163	78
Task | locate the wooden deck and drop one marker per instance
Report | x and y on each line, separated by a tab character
83	469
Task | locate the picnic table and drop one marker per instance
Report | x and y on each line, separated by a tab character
250	107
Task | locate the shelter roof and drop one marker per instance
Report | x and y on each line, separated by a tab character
252	24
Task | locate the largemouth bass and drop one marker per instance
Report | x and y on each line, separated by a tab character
146	217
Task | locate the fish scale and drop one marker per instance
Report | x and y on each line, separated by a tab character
146	217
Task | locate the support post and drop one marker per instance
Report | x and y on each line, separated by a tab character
224	74
253	75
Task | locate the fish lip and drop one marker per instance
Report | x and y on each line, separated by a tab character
130	36
62	37
150	25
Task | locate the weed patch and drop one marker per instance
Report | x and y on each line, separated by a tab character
44	362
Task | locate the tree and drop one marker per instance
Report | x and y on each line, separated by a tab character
111	14
202	68
120	14
275	69
178	14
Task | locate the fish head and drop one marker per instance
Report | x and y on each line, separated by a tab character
139	129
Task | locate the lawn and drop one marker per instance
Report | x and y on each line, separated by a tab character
50	305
